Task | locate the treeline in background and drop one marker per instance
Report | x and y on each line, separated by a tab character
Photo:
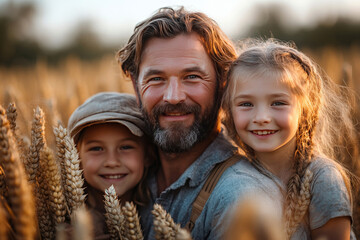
59	80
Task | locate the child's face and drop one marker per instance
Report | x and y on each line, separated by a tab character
266	114
111	155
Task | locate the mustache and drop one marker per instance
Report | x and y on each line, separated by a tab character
179	107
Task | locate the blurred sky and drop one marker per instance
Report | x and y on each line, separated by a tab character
56	20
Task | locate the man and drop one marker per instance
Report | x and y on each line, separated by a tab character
178	61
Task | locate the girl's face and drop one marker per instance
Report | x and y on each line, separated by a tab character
111	155
266	114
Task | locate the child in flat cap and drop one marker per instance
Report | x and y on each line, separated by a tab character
108	130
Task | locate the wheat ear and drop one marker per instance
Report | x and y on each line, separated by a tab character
73	180
302	203
114	216
20	194
51	170
131	223
60	134
37	143
164	225
11	115
45	220
22	142
3	187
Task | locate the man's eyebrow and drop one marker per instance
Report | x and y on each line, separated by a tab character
151	72
194	69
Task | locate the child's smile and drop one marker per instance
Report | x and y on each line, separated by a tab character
112	155
265	113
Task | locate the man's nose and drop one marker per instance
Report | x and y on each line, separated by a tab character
174	92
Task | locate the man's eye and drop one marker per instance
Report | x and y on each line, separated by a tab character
192	76
155	79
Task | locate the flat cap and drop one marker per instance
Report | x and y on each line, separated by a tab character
107	107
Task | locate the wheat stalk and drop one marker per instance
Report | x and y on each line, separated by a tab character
114	216
164	225
57	202
60	134
131	225
19	191
37	143
22	142
73	179
11	115
3	187
45	221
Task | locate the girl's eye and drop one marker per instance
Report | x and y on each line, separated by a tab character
126	147
95	149
278	103
245	104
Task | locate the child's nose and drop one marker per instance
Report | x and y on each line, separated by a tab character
262	116
112	160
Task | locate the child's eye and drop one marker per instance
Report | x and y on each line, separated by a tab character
278	103
95	149
245	104
126	147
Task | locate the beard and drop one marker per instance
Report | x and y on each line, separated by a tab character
177	138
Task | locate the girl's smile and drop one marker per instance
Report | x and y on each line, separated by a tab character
266	113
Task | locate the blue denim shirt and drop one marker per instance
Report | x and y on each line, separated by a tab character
177	199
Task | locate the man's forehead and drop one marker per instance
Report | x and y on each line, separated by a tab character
172	45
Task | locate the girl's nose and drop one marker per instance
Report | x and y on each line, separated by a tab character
112	160
262	116
174	93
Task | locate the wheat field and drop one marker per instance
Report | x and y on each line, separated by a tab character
59	89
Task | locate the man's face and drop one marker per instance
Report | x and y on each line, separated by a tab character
177	89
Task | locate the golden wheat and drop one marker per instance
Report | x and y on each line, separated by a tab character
51	170
131	224
3	188
72	174
114	216
20	197
37	142
164	225
22	142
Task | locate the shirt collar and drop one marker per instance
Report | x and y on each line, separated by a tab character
218	151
